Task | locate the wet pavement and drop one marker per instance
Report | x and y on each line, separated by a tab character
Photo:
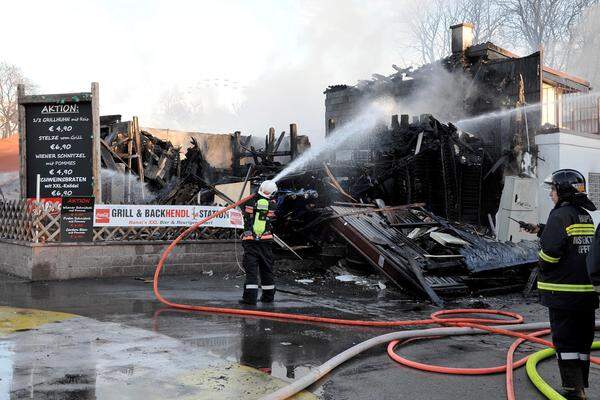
115	340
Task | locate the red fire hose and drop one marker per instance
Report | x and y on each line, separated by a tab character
437	318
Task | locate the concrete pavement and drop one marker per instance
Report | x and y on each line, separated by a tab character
116	341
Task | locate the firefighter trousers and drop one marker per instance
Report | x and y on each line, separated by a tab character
572	335
258	261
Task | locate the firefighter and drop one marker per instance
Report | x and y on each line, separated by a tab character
256	241
564	283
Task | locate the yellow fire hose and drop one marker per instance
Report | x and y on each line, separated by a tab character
535	377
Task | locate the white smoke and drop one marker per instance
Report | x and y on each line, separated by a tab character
360	126
116	182
440	93
585	59
334	41
123	188
437	91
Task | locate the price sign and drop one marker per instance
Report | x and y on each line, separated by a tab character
76	219
59	149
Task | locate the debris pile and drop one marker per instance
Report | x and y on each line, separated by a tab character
411	202
169	179
193	175
427	254
134	156
137	155
425	162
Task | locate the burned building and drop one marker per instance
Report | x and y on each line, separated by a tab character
399	212
494	79
505	102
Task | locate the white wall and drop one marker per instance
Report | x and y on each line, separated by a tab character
519	201
216	148
564	150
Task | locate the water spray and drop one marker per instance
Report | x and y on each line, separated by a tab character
360	126
466	122
494	114
357	128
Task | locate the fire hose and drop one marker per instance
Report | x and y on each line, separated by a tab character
451	327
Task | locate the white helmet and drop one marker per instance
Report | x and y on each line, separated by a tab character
267	189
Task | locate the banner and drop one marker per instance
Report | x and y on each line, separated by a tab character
151	215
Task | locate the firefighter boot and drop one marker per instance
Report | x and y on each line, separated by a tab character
268	294
572	378
585	369
570	394
250	295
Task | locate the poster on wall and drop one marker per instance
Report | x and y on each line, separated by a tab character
157	215
77	219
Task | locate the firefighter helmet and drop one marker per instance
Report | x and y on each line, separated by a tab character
566	182
267	189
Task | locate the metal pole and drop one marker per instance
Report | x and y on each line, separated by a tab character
37	188
293	140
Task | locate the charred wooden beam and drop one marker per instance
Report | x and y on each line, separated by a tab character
293	141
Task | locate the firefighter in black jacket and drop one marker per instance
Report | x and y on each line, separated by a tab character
564	283
256	240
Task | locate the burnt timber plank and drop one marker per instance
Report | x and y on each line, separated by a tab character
378	251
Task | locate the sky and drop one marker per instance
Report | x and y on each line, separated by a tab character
206	66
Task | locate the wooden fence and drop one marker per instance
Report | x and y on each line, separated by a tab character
30	221
107	234
40	223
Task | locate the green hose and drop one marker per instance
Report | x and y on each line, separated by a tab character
537	380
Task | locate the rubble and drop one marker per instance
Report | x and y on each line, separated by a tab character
412	202
425	264
168	177
428	162
157	162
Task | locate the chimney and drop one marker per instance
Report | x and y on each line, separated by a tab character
462	37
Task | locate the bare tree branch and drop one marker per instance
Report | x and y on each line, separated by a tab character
583	56
550	24
431	27
10	77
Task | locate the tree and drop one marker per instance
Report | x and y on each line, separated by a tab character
10	77
551	24
431	27
429	30
522	25
487	17
585	49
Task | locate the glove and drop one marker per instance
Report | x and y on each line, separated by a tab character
530	228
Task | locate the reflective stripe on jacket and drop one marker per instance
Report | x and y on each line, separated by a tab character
258	217
564	244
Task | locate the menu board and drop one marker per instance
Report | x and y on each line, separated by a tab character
59	143
77	219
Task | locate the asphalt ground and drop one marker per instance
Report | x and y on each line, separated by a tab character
129	345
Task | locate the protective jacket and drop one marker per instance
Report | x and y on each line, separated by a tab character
564	282
593	261
257	219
